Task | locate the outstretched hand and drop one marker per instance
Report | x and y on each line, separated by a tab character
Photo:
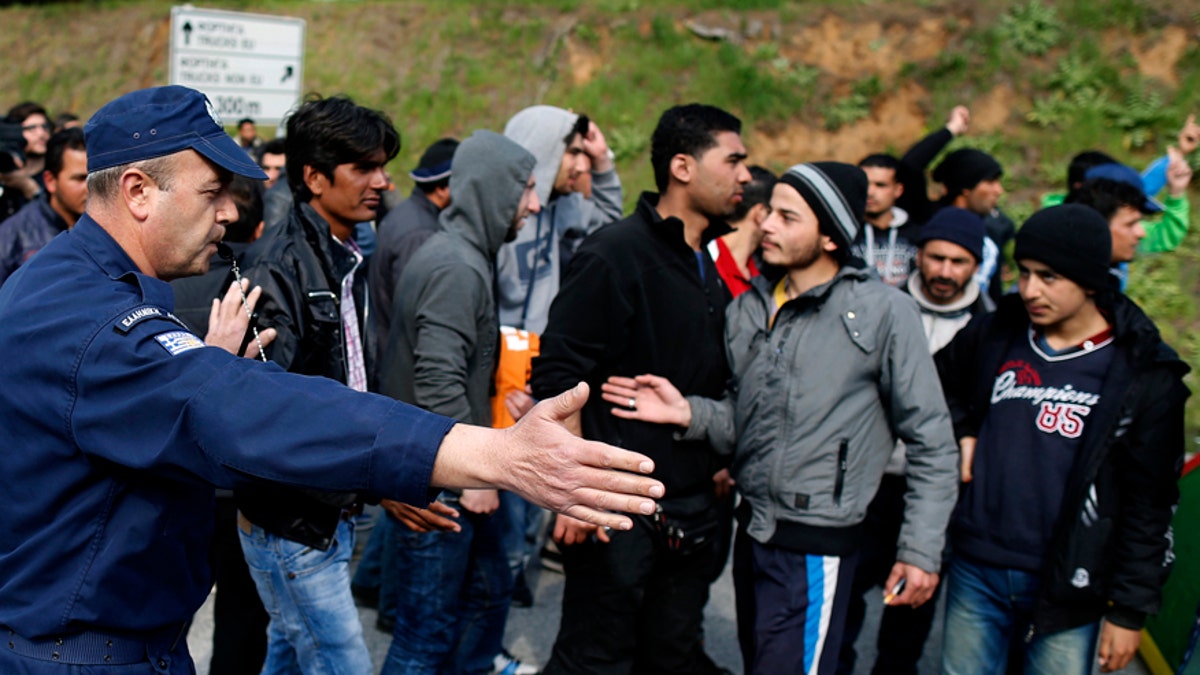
228	321
648	398
545	463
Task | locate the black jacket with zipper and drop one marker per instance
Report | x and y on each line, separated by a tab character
1114	527
633	301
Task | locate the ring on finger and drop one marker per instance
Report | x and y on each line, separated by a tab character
632	403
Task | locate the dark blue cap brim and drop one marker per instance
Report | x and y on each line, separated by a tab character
226	153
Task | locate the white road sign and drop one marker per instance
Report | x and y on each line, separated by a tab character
249	65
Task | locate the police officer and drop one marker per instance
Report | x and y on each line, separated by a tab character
118	421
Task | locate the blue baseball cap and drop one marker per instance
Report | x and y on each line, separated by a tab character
161	121
1123	174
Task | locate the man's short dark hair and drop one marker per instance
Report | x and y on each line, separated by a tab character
274	146
245	120
1106	196
757	191
59	143
686	130
582	123
326	132
21	111
881	161
247	194
1078	168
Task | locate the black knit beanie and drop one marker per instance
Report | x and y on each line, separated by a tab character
965	168
837	194
957	226
1073	240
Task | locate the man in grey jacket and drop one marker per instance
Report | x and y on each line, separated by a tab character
831	367
453	598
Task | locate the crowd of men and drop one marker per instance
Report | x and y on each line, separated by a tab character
878	389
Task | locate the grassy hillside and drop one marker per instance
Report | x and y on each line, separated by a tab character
813	80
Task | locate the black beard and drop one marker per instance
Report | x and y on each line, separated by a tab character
928	285
872	216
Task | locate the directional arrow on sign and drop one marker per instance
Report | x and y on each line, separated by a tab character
187	33
287	73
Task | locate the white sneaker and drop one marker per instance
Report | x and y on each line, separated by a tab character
507	664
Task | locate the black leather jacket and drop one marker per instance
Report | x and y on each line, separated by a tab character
300	267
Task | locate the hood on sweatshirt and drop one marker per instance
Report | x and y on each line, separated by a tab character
490	174
542	130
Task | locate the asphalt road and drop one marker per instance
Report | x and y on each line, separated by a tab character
530	632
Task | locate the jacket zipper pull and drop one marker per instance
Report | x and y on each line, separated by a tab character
1029	634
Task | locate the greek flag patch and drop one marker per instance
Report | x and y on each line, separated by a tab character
178	342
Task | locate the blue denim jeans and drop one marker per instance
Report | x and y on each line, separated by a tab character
988	607
370	561
314	624
377	566
452	598
521	521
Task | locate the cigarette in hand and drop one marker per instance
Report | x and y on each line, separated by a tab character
896	590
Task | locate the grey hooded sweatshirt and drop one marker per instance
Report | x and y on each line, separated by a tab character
529	268
444	332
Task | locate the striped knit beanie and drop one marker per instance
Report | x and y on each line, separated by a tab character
837	194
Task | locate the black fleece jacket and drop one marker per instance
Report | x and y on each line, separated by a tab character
633	302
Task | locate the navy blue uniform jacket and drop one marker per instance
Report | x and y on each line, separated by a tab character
117	423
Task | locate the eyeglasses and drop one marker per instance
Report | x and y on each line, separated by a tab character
45	126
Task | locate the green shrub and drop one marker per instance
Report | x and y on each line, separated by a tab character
1032	28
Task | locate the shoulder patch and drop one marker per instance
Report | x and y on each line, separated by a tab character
177	342
144	313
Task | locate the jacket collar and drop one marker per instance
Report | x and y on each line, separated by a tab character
419	198
671	229
95	242
916	289
770	275
334	256
51	216
1131	328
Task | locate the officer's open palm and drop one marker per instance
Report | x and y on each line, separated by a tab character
548	464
